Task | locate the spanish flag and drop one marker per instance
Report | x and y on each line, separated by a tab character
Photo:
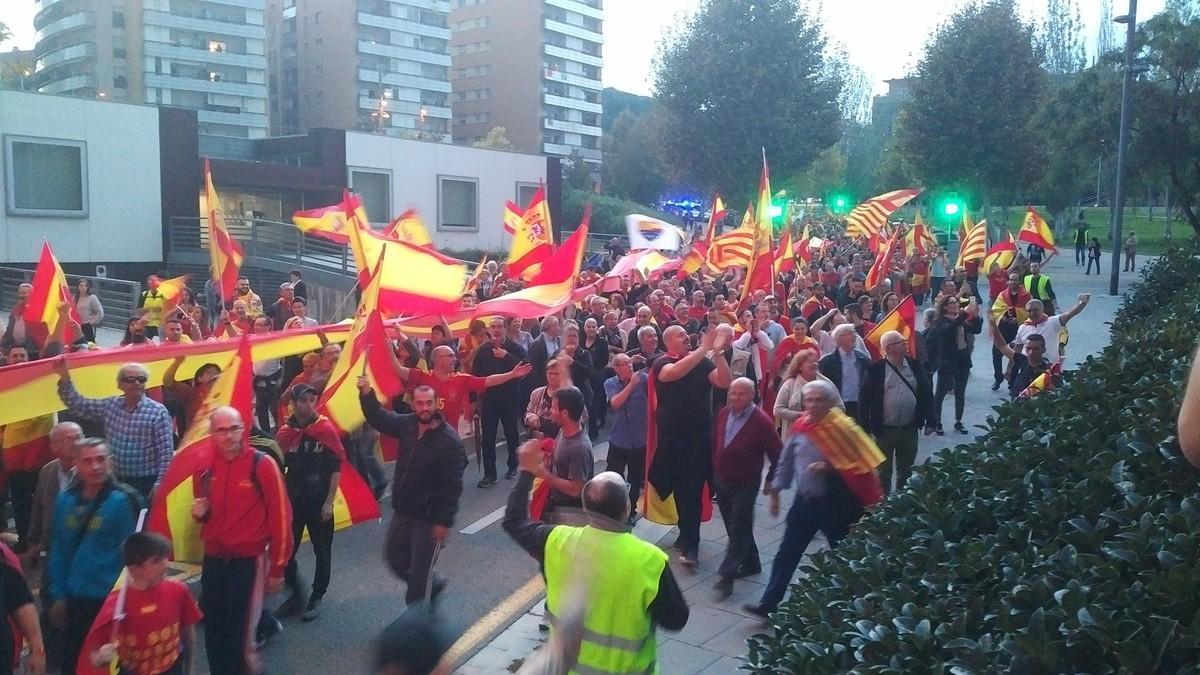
655	507
552	288
27	444
883	262
850	450
409	228
919	241
1035	231
800	249
1001	307
50	289
903	320
715	217
225	253
785	257
171	291
531	231
1003	254
415	280
171	513
473	281
1043	382
326	222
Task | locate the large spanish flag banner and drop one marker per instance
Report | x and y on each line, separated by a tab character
903	320
1035	231
171	509
531	232
50	289
553	287
415	280
225	253
29	390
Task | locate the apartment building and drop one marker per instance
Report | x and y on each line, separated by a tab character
532	67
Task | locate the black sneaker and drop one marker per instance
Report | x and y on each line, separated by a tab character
743	571
689	560
313	610
267	630
757	609
510	474
723	589
958	426
633	518
939	430
486	481
996	385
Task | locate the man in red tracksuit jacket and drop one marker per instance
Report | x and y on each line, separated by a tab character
247	537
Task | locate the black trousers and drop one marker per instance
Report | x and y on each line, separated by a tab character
227	587
266	400
81	613
737	510
409	553
1089	265
951	376
630	463
832	514
492	416
598	410
1080	253
21	485
89	332
320	533
688	494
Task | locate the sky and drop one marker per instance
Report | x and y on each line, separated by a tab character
884	37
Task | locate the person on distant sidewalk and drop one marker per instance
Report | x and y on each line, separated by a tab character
1039	286
1094	251
1130	252
895	404
829	498
744	436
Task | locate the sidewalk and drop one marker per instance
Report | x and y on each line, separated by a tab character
714	640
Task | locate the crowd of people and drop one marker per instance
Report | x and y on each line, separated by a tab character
719	386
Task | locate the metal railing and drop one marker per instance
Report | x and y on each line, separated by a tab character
119	297
265	241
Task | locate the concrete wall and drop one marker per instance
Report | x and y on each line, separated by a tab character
415	166
124	219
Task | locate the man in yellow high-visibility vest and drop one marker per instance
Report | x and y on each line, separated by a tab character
619	585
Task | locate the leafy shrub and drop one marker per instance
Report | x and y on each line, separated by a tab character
1064	540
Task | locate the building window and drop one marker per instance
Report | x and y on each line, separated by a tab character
120	82
457	204
525	192
217	47
46	177
118	20
375	189
118	52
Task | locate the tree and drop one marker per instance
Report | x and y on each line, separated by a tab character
5	33
968	124
1106	41
577	173
1184	10
740	76
633	167
1061	39
496	139
1167	107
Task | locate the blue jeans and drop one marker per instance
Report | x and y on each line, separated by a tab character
832	514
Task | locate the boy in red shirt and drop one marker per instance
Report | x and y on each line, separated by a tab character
160	616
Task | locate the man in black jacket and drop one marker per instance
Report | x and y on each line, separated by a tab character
425	490
542	349
502	404
836	364
895	403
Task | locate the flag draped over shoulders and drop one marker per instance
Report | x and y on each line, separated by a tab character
849	450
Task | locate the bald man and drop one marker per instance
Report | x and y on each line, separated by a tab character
745	436
247	533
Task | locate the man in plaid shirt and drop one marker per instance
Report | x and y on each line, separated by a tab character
138	428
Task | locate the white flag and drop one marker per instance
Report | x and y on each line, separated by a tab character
647	232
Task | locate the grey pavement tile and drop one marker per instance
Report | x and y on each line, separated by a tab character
732	641
705	622
680	658
726	665
689	578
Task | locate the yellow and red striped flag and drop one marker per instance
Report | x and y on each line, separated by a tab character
851	451
974	245
883	262
225	253
903	320
760	270
408	227
1034	230
531	231
50	290
716	216
868	218
731	249
414	281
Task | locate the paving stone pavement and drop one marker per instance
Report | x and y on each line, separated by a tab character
714	640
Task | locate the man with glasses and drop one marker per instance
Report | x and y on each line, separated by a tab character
247	533
138	428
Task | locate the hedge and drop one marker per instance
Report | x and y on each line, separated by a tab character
1063	540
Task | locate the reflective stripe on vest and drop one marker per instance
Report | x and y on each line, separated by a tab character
618	575
1040	293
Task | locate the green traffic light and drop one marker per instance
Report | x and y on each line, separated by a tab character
839	203
951	208
775	211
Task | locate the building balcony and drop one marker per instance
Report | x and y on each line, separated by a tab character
217	28
85	82
570	127
397	106
589	9
573	103
407	53
233	119
404	80
204	56
403	25
243	4
64	56
569	78
48	9
572	55
574	31
67	23
563	150
245	89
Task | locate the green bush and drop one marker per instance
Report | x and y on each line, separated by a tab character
608	213
1064	540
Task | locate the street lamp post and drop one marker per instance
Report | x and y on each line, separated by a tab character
1130	21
